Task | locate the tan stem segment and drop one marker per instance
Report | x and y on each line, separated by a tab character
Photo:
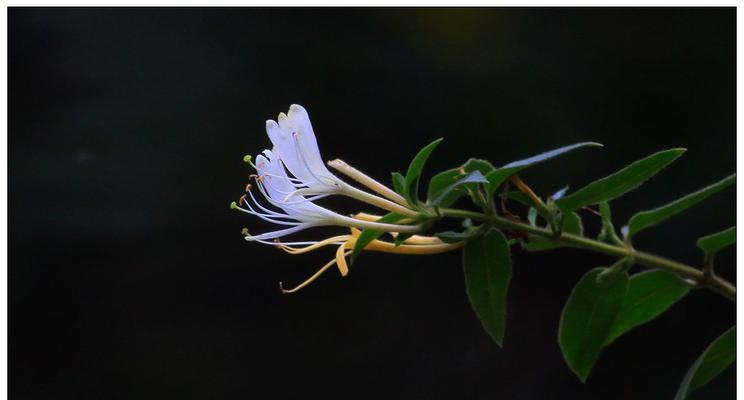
359	176
369	198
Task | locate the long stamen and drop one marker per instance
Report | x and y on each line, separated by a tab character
248	159
265	237
270	182
298	211
264	216
317	245
310	279
266	210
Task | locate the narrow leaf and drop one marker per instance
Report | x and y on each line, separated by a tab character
445	182
487	266
714	243
439	183
500	175
476	164
456	237
368	235
415	169
549	154
649	294
571	224
445	194
399	184
716	358
620	182
587	318
646	219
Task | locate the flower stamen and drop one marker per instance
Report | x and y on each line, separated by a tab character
311	278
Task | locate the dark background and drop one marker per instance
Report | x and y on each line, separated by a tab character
129	277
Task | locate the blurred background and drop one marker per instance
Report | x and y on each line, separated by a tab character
128	274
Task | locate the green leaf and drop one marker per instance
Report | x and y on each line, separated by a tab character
605	211
415	169
456	237
571	224
399	184
620	182
649	294
368	235
716	358
500	175
439	183
445	194
488	271
588	317
646	219
476	164
445	182
712	244
482	166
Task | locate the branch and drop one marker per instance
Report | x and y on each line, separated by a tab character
713	282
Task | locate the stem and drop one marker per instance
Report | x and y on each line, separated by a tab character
713	282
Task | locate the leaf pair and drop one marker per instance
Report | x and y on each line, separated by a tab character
602	308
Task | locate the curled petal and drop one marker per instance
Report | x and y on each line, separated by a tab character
343	268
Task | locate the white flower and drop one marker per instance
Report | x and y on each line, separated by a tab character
293	210
294	141
295	144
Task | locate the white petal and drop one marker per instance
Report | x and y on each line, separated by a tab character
285	145
298	121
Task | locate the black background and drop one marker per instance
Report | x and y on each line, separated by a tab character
128	274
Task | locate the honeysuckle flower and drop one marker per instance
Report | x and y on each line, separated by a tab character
414	245
295	143
290	209
291	177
